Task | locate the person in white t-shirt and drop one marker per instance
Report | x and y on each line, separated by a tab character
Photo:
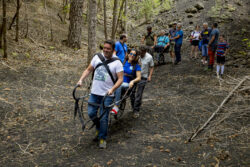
147	68
195	37
103	83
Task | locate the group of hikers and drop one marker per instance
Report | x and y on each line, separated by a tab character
211	43
208	40
117	68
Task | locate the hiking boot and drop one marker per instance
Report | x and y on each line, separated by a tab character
136	115
96	136
102	144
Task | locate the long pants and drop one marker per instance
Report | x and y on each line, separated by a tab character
102	125
211	54
204	50
136	96
177	49
118	92
150	50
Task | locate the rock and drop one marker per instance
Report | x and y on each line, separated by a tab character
199	6
190	15
238	3
191	10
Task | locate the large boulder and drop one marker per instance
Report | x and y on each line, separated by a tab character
191	10
199	6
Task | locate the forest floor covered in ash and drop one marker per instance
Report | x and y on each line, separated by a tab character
37	126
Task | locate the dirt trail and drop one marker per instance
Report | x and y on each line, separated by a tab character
37	127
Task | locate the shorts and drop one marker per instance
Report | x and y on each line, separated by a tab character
220	59
171	46
195	43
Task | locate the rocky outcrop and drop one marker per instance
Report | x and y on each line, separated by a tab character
191	10
199	6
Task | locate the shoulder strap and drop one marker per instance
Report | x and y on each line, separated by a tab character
150	35
105	64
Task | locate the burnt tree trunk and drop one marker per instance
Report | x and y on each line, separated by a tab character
76	22
117	23
4	30
125	16
115	10
15	16
17	20
92	19
27	22
105	19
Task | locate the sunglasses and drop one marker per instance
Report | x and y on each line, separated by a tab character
132	54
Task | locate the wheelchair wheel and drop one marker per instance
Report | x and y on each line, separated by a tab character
121	110
161	58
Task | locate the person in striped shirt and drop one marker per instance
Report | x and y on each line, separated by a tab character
221	52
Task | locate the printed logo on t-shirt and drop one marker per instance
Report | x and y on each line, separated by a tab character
131	67
101	74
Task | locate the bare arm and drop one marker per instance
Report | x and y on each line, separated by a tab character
151	70
166	45
142	40
137	79
226	52
211	41
85	74
117	84
177	37
155	40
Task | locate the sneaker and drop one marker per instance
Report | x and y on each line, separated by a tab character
114	110
102	144
136	115
96	136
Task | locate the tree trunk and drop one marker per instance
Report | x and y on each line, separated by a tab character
14	18
76	21
92	19
4	30
65	10
121	9
17	20
1	36
125	16
105	19
115	10
27	21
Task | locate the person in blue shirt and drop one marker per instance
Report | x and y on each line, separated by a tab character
132	75
121	48
178	43
163	40
162	43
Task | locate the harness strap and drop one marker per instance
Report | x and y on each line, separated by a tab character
77	110
105	64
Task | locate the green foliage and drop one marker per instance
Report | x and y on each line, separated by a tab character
149	8
27	55
246	42
14	54
167	4
66	8
243	53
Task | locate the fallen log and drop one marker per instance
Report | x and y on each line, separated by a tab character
218	109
